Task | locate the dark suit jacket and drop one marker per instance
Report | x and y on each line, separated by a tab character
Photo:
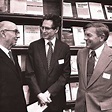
11	94
98	92
58	75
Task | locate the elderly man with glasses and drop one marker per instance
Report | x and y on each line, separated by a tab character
11	93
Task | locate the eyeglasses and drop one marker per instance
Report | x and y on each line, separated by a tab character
46	28
15	31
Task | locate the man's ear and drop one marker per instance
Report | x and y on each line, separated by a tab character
57	29
2	33
102	38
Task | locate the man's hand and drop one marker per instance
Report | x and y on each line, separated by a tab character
47	94
44	98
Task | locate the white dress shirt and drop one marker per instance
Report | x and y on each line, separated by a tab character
5	50
98	53
47	46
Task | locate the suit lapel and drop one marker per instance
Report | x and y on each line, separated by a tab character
56	53
41	48
18	69
84	65
6	60
103	62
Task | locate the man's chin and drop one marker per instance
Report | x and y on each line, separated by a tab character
13	45
45	37
89	47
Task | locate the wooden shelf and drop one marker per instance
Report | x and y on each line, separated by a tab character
70	104
74	78
23	47
69	19
22	16
75	48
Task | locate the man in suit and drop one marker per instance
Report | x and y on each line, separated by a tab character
95	88
11	93
48	84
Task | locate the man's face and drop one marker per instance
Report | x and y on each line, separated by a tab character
11	37
47	30
93	41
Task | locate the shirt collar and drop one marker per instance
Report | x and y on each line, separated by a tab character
99	51
53	41
4	49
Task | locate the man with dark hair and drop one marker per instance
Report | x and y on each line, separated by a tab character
95	71
56	20
48	66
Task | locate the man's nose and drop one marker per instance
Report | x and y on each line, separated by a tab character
85	37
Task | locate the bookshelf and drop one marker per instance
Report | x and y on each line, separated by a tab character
55	7
69	22
49	6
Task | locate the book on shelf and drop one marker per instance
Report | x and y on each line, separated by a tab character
74	87
82	9
78	34
67	9
74	10
72	110
34	7
20	39
18	6
68	110
26	92
73	63
68	92
4	5
67	36
31	33
96	10
108	11
22	61
109	40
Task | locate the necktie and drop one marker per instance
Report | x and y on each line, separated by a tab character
90	65
49	54
11	57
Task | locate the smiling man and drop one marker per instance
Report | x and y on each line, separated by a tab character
48	66
95	71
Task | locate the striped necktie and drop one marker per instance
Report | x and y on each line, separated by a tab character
11	56
49	53
90	65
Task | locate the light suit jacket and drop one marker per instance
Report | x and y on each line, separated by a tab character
98	93
54	81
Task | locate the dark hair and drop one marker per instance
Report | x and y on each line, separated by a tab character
101	29
55	18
